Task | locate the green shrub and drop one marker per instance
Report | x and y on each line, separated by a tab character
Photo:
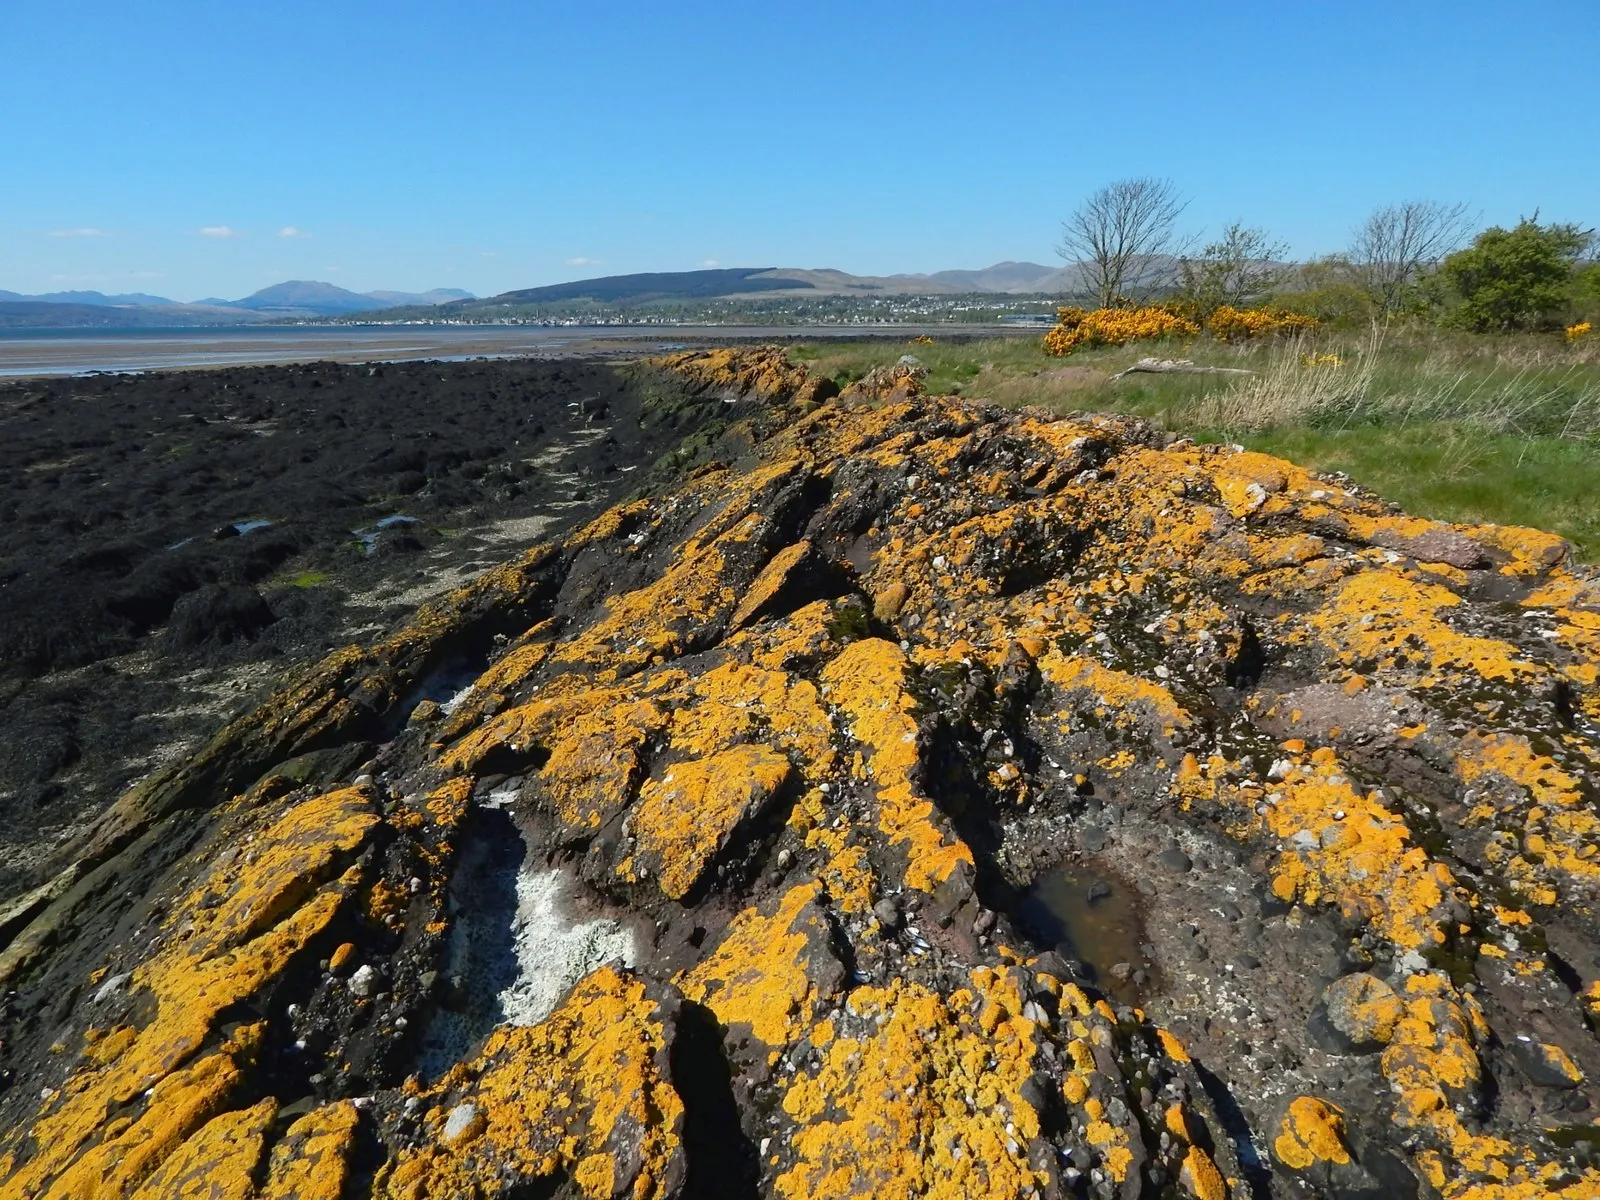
1513	279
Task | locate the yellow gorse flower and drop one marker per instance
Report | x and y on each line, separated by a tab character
1580	330
1113	327
1229	324
1321	360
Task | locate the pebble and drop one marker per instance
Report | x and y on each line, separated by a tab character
462	1122
364	981
1174	859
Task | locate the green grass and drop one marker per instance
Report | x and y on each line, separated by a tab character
1452	426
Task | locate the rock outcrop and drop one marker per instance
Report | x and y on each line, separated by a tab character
759	779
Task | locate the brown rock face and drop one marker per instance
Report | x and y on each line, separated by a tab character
726	875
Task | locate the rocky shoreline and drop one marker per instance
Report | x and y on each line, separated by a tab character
700	851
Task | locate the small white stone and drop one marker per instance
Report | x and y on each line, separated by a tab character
364	980
459	1123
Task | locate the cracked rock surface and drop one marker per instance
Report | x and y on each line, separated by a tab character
936	801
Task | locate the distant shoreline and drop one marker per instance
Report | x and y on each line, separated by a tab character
29	353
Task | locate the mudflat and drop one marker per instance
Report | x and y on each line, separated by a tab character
31	352
171	543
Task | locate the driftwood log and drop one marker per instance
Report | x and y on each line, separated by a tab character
1178	366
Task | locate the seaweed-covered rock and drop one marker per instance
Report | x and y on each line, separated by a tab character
715	879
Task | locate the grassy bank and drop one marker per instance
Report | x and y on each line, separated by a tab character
1458	427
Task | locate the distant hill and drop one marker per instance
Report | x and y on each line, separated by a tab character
298	297
655	285
295	299
95	298
303	298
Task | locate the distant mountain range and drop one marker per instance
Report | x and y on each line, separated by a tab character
310	300
294	300
1007	278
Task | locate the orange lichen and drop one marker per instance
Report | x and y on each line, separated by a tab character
564	1095
1117	696
762	974
216	1163
1311	1131
267	908
684	819
866	681
1364	1008
772	578
923	1103
1381	617
312	1159
1339	845
1200	1177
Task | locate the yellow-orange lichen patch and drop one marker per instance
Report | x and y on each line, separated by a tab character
684	819
1431	1053
1363	1008
1200	1177
769	582
658	620
1382	618
765	972
925	1103
594	759
1339	845
734	701
584	1092
1118	697
1532	551
1312	1131
128	1151
216	1163
867	681
1559	828
312	1160
243	925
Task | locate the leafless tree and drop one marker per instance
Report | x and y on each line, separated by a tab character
1241	266
1116	233
1397	243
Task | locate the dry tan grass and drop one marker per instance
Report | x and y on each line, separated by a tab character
1292	388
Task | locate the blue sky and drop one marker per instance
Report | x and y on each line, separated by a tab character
492	145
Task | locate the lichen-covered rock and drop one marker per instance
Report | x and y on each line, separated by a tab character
805	734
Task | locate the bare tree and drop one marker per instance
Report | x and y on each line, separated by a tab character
1241	266
1116	233
1396	244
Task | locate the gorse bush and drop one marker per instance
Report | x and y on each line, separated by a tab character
1114	327
1229	324
1076	328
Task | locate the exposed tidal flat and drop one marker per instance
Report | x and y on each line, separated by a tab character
33	352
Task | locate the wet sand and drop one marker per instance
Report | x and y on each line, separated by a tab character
32	352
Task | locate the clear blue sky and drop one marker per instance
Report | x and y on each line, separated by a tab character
492	144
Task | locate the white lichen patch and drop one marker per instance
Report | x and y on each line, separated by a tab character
554	951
